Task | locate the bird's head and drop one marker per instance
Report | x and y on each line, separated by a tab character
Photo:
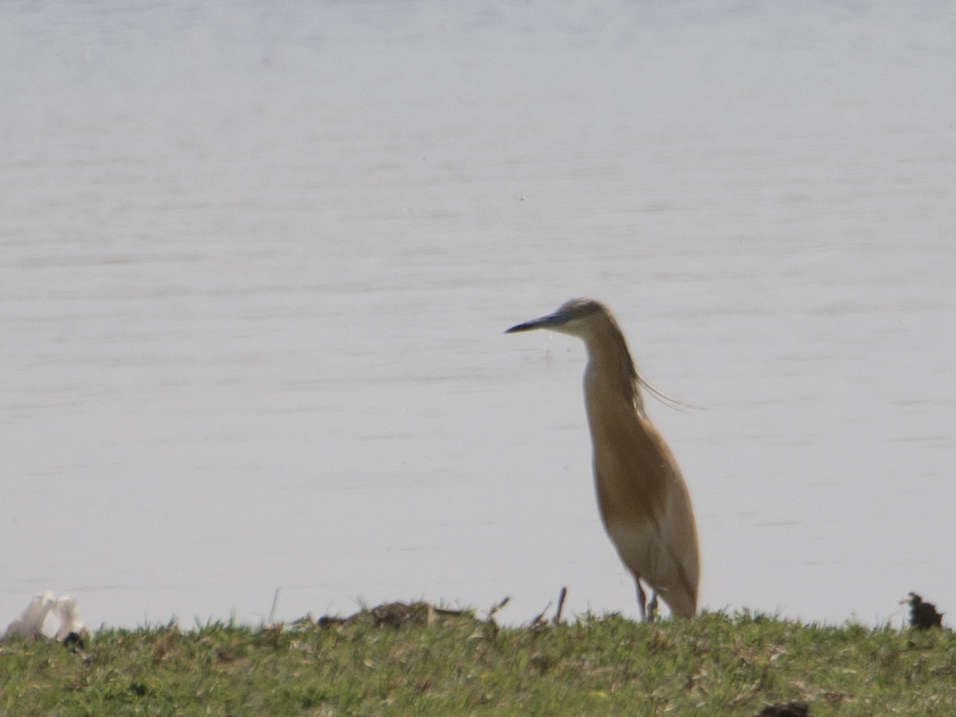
574	317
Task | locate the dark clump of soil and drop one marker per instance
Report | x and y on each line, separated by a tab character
395	614
788	709
923	615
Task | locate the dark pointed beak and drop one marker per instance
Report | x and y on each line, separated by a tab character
544	322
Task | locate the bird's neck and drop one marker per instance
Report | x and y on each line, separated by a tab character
610	378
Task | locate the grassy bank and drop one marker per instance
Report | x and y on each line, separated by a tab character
416	661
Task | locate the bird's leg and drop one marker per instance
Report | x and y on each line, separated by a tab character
652	608
641	598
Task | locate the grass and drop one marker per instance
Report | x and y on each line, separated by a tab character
417	661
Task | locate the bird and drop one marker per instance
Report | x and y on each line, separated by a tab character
644	503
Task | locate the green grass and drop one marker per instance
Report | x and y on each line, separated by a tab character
715	664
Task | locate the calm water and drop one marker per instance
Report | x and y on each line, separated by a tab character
257	259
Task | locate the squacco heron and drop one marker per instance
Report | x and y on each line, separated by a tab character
642	496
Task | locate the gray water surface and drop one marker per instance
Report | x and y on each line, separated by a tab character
257	259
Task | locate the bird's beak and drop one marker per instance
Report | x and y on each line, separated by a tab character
545	322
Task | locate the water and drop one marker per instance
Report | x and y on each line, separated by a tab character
258	259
